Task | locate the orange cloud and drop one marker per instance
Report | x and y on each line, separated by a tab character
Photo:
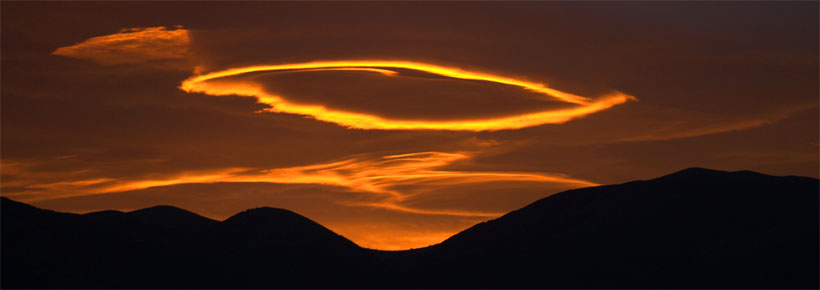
134	45
279	104
384	176
717	127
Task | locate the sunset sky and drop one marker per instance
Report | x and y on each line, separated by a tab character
394	124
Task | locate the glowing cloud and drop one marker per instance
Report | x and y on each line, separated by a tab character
132	45
396	188
279	104
718	127
381	176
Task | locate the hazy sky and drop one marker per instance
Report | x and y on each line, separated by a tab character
395	124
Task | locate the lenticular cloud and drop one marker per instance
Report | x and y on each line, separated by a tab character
280	104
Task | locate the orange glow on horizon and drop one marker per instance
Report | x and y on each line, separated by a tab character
389	239
391	183
355	120
379	176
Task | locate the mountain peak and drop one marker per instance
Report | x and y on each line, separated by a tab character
171	217
275	226
698	174
698	170
264	213
160	208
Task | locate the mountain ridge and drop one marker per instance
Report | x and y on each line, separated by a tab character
695	228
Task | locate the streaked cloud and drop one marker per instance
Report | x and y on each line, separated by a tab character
392	202
369	227
392	178
132	45
688	130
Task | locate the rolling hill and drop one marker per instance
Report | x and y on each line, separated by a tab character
696	228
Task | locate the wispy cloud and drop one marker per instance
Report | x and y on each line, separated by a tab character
716	127
132	45
390	177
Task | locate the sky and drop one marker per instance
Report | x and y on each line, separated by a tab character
394	124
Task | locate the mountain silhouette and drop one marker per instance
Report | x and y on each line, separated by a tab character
697	228
172	217
279	248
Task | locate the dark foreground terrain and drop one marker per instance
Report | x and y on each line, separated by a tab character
696	228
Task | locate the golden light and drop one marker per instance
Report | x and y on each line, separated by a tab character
376	175
355	120
132	45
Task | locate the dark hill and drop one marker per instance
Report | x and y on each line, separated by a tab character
696	228
112	249
172	217
282	228
269	247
